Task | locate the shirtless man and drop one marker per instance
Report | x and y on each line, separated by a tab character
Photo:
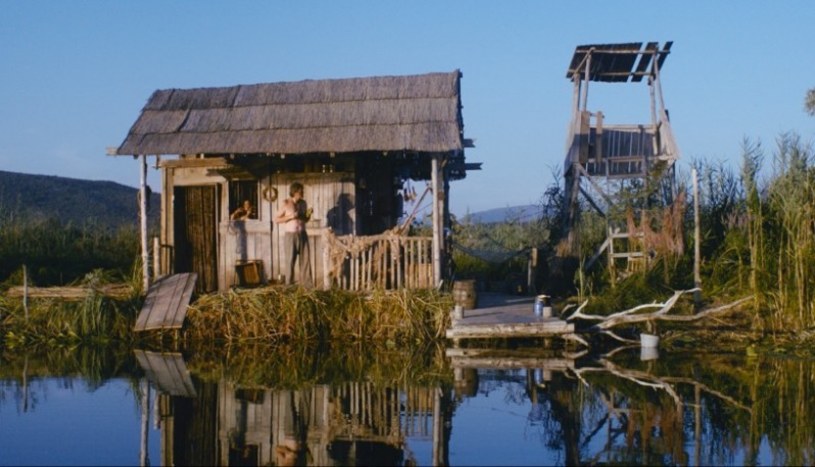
293	216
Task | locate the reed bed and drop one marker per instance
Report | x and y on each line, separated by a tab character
285	314
56	322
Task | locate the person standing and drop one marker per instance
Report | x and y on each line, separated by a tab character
293	216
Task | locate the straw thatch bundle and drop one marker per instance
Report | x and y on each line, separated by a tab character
419	112
286	314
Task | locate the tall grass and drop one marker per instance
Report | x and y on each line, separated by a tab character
790	202
278	315
58	323
759	233
758	238
57	253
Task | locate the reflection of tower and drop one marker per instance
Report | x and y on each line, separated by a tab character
604	161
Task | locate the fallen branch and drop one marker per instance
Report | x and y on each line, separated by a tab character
629	316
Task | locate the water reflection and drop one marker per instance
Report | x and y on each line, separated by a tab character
354	423
521	406
504	407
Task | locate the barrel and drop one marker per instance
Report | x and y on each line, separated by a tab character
464	294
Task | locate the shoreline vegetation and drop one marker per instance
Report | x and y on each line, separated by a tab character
270	315
757	240
285	317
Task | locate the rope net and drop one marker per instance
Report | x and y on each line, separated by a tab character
491	256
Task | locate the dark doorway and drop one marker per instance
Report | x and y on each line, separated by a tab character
196	234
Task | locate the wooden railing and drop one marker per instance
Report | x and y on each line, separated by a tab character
618	151
385	261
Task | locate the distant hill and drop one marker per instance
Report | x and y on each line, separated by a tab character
72	200
525	213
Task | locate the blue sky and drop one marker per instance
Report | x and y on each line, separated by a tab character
75	74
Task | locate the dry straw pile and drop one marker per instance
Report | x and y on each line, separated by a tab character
276	315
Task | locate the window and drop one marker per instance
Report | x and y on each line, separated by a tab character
241	191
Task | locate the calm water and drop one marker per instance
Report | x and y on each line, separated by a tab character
444	406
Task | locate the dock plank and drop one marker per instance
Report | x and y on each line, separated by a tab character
165	306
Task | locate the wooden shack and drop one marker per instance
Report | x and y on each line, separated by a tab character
357	146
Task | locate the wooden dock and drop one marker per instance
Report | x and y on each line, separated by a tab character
165	306
506	316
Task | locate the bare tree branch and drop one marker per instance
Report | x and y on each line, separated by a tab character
629	316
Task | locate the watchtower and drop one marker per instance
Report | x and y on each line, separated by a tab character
604	160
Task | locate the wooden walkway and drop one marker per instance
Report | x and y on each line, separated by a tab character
506	316
166	304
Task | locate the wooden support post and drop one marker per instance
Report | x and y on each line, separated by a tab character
145	253
156	258
326	261
612	266
697	235
598	141
586	79
144	457
435	181
531	268
438	429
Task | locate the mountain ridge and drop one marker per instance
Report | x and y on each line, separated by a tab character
523	213
71	200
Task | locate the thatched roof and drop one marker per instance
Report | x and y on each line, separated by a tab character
418	113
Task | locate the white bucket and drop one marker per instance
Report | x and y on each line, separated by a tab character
649	353
458	312
547	312
649	340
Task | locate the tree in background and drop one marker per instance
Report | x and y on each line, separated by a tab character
809	102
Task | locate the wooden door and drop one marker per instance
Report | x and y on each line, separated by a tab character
196	234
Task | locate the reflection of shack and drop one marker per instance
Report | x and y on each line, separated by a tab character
355	144
348	424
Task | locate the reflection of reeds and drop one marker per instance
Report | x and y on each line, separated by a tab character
297	364
275	314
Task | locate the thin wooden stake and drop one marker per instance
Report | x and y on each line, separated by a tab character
697	252
25	291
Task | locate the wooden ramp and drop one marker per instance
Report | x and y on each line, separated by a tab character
167	371
506	316
166	304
